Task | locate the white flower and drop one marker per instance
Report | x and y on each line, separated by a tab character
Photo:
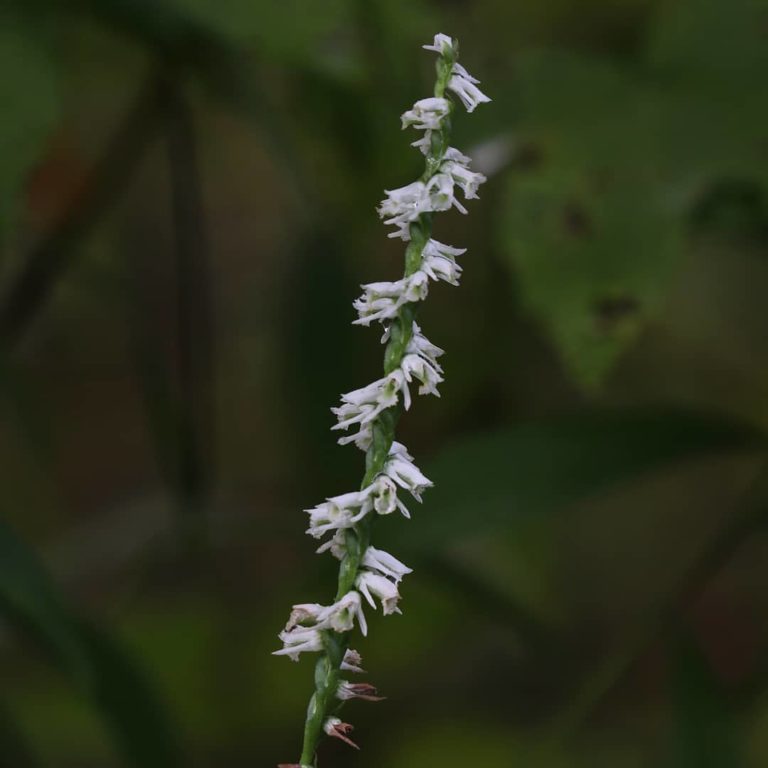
424	144
302	614
419	343
441	196
341	616
337	513
469	181
363	405
362	438
436	248
439	261
380	497
404	205
416	366
398	449
383	300
384	497
401	199
299	640
404	472
373	585
441	44
465	87
341	512
440	267
352	661
386	564
336	545
427	114
457	156
417	287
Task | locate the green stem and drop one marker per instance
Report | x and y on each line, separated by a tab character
328	667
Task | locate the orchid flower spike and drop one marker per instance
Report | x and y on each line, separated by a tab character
366	417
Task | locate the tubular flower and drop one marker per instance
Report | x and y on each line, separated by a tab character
427	114
367	416
404	472
299	640
386	564
465	87
374	585
382	301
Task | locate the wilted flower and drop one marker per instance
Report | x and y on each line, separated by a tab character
335	727
352	661
364	691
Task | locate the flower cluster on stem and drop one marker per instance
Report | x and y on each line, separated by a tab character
368	416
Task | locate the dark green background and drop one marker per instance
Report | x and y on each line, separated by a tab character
187	194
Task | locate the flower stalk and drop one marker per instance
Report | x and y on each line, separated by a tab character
366	573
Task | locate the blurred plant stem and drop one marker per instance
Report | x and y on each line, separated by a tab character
751	518
177	47
195	357
50	258
16	748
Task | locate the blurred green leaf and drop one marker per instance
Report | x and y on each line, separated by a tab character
128	703
29	599
96	664
16	750
470	743
711	59
309	34
490	481
28	93
592	260
706	734
710	39
594	228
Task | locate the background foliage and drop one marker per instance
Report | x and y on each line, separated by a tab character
186	209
